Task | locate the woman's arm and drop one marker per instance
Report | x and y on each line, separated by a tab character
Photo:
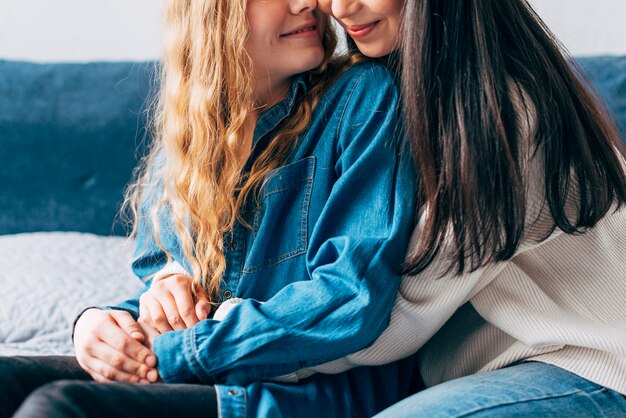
423	305
355	252
426	301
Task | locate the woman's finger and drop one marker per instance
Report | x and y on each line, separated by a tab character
101	379
183	299
120	361
157	315
103	372
203	306
145	316
170	308
95	376
114	336
128	324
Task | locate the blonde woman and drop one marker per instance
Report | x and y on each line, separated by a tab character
277	179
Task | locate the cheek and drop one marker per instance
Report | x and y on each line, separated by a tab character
394	24
325	5
391	9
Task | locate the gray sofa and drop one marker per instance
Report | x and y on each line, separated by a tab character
70	135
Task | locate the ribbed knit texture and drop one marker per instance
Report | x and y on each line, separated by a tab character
561	301
170	269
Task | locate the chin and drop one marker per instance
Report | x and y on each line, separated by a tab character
313	62
374	51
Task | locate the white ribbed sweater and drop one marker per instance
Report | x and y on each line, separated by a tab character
560	301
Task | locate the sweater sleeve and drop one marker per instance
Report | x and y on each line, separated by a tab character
423	304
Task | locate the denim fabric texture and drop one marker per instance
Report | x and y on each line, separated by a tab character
320	269
530	389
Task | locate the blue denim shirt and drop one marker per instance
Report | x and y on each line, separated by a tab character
324	256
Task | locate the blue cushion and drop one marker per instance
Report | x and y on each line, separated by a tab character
69	135
608	74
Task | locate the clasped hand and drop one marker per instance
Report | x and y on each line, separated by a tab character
111	346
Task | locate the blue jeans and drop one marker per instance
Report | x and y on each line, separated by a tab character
530	389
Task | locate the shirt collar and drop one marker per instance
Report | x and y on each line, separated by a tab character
272	117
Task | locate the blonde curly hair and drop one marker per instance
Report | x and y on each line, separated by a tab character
198	126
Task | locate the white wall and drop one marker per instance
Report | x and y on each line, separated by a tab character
87	30
586	27
79	30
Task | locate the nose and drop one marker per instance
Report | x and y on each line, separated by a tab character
342	8
299	6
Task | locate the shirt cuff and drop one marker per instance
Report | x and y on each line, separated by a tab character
176	360
221	313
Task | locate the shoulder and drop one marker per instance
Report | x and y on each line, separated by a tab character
366	80
360	109
366	91
368	71
369	112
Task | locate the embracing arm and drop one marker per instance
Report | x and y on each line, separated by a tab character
426	301
423	305
354	256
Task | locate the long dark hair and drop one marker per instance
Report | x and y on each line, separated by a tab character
463	64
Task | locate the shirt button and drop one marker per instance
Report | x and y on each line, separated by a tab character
232	392
228	294
232	245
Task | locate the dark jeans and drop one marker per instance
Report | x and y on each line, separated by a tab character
58	387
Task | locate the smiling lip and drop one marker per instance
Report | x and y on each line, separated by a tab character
360	31
306	30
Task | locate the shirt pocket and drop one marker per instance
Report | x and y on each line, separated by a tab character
281	217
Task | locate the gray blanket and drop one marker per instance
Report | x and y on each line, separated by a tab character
47	278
